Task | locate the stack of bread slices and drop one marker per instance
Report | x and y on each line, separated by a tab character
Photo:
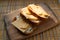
34	13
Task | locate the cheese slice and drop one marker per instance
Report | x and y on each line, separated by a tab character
21	25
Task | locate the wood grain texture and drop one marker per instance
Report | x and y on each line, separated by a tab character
38	36
14	35
2	28
48	35
11	5
44	36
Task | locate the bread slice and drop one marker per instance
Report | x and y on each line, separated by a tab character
25	12
38	10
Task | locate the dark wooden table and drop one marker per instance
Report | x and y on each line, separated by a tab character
11	5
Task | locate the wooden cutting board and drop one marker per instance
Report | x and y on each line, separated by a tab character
15	34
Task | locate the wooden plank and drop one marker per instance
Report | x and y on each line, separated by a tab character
38	36
31	38
55	33
58	32
1	35
2	30
35	37
57	11
41	36
48	35
51	35
26	39
45	35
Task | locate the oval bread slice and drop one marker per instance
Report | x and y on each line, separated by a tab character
25	12
38	10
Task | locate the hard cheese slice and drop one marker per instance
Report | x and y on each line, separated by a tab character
21	25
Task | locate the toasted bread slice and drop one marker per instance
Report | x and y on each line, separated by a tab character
38	10
25	12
